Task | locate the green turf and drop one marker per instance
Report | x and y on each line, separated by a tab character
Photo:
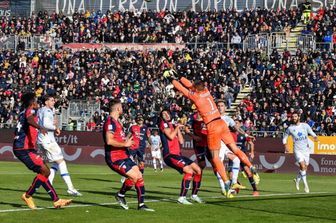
99	184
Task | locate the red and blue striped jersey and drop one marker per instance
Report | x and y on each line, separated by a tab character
115	127
25	134
169	146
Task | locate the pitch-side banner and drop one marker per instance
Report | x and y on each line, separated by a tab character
69	6
326	145
264	162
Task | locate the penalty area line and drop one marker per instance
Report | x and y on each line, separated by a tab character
161	200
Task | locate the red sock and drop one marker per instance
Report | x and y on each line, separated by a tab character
185	184
197	183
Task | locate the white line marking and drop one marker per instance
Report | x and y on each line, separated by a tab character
163	200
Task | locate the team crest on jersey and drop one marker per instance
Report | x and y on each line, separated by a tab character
109	127
165	125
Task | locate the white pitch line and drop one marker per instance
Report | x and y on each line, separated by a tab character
162	200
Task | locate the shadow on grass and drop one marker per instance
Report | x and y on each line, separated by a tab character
16	205
230	203
97	179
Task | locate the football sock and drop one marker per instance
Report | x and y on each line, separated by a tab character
140	188
65	175
53	170
185	184
37	182
303	174
154	163
196	183
253	184
220	181
127	185
235	169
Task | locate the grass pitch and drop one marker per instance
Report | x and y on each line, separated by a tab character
279	200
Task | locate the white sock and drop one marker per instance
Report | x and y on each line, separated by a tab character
53	170
221	182
161	164
303	174
65	175
235	169
154	164
298	177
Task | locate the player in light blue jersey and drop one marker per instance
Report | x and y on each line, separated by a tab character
47	143
300	131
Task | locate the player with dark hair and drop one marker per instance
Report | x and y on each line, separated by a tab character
140	134
171	138
24	148
217	128
300	132
118	159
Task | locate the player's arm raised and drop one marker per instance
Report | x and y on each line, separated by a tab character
180	136
171	134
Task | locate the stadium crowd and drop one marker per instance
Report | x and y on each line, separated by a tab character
152	27
281	83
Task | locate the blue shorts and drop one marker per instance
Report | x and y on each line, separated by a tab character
30	158
137	154
120	166
177	162
200	152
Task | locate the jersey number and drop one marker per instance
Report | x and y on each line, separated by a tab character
212	106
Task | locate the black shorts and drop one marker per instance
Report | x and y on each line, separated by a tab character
137	154
120	166
30	158
200	152
177	162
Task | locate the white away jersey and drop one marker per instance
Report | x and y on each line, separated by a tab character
300	134
155	142
46	119
228	120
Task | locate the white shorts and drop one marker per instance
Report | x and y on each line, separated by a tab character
224	151
302	156
52	151
156	154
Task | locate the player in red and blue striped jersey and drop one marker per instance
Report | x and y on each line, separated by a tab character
24	148
171	138
140	133
118	159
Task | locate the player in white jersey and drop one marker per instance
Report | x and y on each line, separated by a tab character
47	143
226	152
155	142
299	132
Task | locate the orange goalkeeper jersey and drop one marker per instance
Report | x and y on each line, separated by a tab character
203	100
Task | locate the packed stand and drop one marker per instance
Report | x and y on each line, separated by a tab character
281	83
284	84
138	78
151	26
